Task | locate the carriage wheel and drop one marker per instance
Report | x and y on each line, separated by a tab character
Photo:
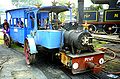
92	28
110	28
7	40
30	58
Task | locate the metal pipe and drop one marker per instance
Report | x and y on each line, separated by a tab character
80	11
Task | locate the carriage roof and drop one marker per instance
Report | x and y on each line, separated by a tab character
22	12
16	9
56	9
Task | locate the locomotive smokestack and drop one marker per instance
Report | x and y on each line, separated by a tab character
112	3
80	11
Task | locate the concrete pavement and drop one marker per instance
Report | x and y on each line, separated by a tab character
14	66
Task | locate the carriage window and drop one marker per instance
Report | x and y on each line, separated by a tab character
32	16
22	23
9	17
26	23
19	22
10	22
15	22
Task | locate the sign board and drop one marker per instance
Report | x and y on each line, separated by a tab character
90	16
112	15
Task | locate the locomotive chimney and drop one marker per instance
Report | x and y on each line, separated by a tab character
112	3
80	11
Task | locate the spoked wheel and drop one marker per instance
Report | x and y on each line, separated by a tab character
30	58
92	28
7	40
110	28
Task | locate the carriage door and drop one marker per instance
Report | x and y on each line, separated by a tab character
30	21
44	17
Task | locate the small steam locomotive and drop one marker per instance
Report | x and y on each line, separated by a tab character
74	47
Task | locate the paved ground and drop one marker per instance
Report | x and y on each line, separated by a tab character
14	66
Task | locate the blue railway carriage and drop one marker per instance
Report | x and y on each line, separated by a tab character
32	27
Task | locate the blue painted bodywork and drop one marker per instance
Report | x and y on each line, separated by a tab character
32	44
48	38
32	19
17	34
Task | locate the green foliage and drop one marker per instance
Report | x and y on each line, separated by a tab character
62	17
54	3
23	3
98	44
1	12
17	47
1	40
69	4
96	7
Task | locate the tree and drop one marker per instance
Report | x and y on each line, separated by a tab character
70	5
25	3
54	3
1	12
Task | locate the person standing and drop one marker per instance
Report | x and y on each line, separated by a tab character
6	26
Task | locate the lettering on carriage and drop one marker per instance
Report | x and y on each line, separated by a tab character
89	59
15	30
115	15
86	15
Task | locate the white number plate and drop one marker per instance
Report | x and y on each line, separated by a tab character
15	30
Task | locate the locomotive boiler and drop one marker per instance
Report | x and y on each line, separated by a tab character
78	40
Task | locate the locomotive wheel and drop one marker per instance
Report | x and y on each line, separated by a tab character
110	28
30	58
7	40
92	28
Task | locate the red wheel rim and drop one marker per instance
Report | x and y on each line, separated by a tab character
27	52
6	40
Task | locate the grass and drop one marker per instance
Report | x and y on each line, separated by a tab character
98	44
17	47
112	66
1	40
